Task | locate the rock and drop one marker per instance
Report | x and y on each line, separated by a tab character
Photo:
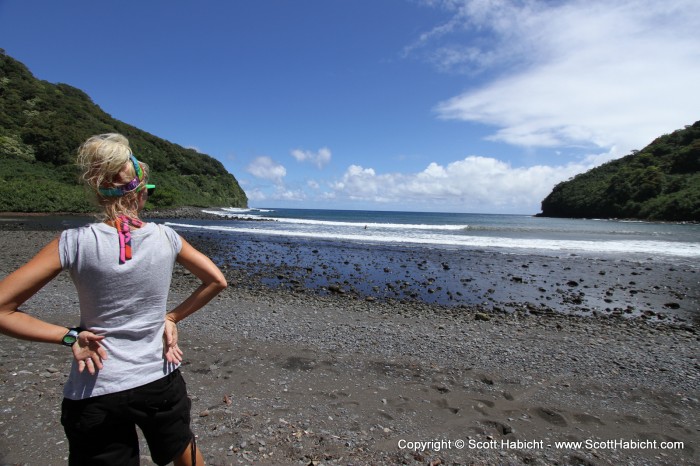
442	388
335	289
482	316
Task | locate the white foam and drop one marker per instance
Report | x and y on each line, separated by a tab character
240	210
241	214
362	225
664	248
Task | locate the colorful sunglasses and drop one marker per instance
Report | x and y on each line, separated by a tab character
131	185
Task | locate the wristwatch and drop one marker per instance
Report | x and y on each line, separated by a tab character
71	337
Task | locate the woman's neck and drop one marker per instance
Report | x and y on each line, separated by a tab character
134	222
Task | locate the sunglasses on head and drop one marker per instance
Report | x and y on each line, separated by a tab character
131	185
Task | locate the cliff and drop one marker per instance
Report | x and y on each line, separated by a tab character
42	125
659	182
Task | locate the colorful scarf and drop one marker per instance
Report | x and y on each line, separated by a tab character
124	224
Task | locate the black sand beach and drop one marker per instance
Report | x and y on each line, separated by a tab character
285	371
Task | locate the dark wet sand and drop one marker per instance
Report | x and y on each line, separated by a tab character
495	281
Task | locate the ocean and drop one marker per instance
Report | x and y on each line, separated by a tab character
511	234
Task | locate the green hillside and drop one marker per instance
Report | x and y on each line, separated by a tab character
659	182
43	124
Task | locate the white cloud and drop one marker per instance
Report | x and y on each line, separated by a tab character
320	158
477	184
264	167
581	72
290	195
256	195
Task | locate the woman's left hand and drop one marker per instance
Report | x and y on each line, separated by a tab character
172	352
89	352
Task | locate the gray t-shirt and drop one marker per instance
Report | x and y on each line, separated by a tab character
124	302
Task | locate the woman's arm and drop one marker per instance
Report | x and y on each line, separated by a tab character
21	285
213	282
24	283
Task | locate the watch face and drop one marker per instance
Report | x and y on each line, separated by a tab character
70	339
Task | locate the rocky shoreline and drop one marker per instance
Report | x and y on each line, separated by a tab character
192	213
283	375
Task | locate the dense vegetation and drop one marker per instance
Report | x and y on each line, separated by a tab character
660	182
42	125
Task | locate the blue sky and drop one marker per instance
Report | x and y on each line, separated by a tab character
427	105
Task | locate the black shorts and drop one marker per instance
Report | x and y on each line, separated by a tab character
102	430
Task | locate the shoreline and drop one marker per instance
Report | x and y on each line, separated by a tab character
279	376
496	282
185	212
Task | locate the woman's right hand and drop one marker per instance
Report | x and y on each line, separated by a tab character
89	352
172	352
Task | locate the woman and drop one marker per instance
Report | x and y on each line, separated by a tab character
126	358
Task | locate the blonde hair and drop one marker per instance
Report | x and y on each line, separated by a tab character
105	162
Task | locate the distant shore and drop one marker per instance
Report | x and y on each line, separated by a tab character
284	376
178	212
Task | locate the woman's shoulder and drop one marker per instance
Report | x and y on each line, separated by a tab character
169	233
160	228
86	229
70	237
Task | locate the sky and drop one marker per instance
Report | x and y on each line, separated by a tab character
420	105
